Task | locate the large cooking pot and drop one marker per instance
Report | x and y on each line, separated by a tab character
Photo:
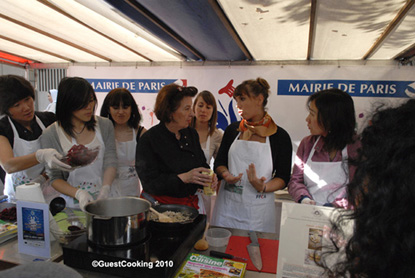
117	221
190	211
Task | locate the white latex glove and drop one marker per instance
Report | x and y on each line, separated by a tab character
51	158
104	192
83	197
308	201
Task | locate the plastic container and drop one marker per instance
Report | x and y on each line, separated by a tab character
218	237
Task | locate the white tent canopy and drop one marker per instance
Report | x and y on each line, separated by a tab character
76	32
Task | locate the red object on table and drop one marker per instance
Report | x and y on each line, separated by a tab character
269	252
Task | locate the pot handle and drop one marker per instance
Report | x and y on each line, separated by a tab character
150	198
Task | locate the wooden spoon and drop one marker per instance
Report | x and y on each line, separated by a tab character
162	217
202	244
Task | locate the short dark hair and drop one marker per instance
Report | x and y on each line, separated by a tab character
74	94
336	115
168	100
13	88
210	100
253	87
114	99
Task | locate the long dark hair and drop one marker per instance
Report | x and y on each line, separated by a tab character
382	195
210	100
336	115
115	98
74	94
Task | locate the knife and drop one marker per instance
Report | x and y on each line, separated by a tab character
221	255
254	251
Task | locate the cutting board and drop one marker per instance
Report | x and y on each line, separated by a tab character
269	252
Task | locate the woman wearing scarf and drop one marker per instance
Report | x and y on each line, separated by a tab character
254	160
52	97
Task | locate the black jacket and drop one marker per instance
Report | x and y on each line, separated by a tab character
161	157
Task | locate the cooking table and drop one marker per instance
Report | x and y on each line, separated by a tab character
9	255
243	233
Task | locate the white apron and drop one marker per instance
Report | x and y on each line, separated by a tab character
240	205
126	183
20	148
326	181
89	177
206	150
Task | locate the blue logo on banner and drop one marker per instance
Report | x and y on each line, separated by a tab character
133	85
356	88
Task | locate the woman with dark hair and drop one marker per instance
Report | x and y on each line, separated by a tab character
382	194
321	168
120	107
204	121
170	161
77	125
21	156
254	160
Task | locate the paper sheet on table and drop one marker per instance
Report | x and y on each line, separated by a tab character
304	234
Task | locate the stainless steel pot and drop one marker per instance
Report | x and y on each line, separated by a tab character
117	221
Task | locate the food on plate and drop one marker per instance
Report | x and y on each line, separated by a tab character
8	214
175	215
315	238
79	155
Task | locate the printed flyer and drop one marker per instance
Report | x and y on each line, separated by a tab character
303	237
197	265
33	228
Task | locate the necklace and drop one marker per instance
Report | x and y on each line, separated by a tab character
80	131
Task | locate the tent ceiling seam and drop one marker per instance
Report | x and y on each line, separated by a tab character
54	7
391	26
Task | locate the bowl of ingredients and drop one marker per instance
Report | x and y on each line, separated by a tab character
80	156
67	229
218	237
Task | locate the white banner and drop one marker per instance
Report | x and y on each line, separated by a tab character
367	85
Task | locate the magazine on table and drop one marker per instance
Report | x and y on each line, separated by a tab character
197	265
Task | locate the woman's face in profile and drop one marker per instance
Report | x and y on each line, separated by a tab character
312	121
50	98
85	114
250	107
182	117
